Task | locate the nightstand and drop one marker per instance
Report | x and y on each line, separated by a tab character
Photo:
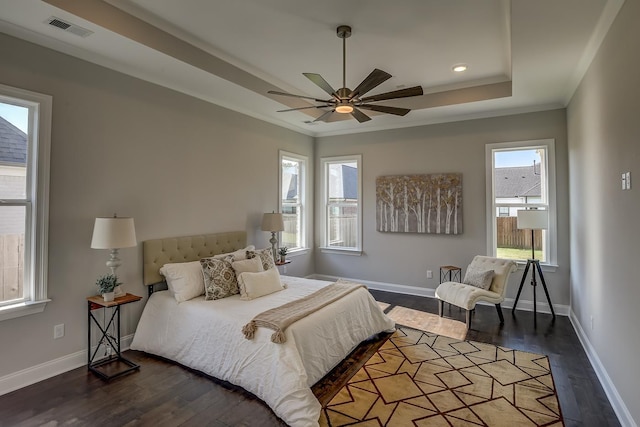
115	364
282	266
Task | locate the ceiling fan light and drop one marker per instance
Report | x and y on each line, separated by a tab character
344	108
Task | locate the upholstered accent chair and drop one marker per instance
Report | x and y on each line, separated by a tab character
467	296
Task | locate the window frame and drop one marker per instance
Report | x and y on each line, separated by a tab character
325	162
551	240
302	191
35	295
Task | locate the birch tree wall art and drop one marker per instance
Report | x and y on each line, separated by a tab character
430	203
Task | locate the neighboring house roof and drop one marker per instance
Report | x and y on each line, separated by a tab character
349	182
13	144
521	181
292	191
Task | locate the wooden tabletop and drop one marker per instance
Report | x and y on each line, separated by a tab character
97	299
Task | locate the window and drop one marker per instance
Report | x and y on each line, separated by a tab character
520	175
293	169
342	187
25	123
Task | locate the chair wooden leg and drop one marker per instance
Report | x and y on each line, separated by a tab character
469	318
440	307
499	308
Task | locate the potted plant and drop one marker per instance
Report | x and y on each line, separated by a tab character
283	253
106	284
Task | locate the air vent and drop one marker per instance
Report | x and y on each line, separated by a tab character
68	27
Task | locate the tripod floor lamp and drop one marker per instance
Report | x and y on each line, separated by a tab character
533	219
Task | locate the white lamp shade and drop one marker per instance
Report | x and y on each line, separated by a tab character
113	233
535	219
272	222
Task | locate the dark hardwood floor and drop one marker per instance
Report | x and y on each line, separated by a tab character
163	393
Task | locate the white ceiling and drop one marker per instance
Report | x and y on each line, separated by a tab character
522	55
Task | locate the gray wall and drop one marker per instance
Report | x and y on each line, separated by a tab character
399	258
604	135
178	165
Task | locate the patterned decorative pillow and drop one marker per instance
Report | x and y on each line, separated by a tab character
266	256
237	255
479	278
219	278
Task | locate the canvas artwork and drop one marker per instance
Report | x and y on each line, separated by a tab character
429	203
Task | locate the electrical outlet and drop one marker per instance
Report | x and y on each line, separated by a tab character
284	269
429	274
108	350
628	179
58	331
592	323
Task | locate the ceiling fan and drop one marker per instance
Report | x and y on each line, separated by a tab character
347	101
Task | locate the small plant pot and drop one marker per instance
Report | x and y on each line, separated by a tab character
283	258
109	296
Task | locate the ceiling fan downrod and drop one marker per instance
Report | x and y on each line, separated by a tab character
344	107
344	31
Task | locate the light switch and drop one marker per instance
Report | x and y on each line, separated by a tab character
624	181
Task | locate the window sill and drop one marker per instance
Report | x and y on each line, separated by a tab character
297	252
22	309
338	251
545	267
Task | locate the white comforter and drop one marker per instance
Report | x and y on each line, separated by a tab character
206	335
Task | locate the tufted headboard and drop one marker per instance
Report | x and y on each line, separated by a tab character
159	252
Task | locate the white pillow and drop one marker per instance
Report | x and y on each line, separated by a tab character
237	255
255	285
253	265
185	279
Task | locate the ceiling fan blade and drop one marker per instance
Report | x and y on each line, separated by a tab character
371	81
275	92
322	117
322	83
385	109
402	93
360	116
304	108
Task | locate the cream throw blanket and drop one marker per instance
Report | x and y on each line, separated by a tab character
282	317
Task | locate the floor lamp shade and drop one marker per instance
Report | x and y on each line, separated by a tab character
533	219
113	233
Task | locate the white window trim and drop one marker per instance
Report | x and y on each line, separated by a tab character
40	130
324	162
552	235
305	218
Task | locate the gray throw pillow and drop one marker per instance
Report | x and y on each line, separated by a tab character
479	278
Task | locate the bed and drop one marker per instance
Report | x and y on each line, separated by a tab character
206	335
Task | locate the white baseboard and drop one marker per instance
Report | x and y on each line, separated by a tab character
624	416
49	369
525	305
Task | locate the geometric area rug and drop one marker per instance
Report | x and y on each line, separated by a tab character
417	378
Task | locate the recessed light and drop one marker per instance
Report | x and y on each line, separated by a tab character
460	68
